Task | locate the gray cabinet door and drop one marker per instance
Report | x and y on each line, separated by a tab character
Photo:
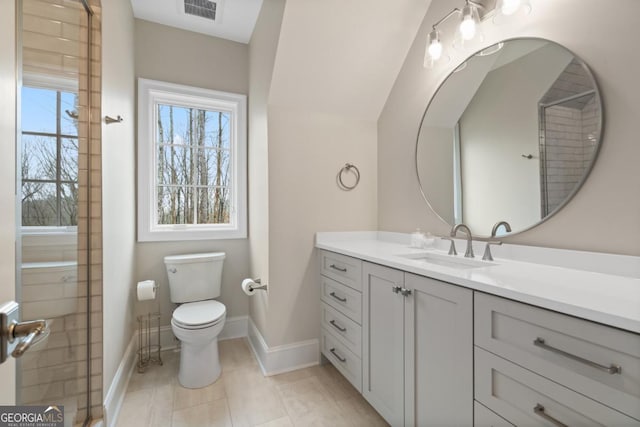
382	342
484	417
527	399
438	353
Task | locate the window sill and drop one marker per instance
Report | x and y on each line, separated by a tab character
185	234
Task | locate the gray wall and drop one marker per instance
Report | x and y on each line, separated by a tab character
178	56
306	151
118	189
262	55
435	168
611	190
295	153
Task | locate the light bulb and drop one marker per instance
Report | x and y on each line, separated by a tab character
469	23
434	46
435	50
509	7
467	28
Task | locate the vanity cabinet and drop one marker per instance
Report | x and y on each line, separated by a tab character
341	314
383	341
417	348
438	335
429	353
484	417
575	371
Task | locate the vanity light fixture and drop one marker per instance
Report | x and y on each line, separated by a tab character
469	22
434	48
469	26
510	7
467	30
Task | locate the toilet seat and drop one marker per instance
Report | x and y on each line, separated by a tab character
199	315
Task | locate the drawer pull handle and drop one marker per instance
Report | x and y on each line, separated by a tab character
340	358
612	369
333	294
539	411
338	327
341	269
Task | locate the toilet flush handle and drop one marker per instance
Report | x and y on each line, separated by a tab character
173	270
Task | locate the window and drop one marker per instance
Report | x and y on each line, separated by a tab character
191	163
49	159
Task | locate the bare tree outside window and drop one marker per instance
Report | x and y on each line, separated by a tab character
193	156
49	160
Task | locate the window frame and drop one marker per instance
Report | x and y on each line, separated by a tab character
58	84
150	94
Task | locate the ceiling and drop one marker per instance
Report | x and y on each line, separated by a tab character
342	57
235	19
334	56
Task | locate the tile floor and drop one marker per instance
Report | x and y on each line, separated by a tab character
242	396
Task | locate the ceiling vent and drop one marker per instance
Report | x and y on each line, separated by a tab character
202	8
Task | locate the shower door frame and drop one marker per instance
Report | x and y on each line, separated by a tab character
542	120
8	182
16	40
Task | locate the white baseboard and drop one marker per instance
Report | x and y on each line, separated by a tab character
115	395
282	358
234	327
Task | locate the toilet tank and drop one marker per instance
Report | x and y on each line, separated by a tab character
194	277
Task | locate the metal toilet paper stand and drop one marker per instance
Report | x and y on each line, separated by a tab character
148	347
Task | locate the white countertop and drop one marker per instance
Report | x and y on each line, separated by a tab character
600	296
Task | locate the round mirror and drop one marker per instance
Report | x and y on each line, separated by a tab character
510	135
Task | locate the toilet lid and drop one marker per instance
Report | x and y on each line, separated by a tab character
199	313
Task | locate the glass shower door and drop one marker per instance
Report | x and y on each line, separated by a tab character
53	138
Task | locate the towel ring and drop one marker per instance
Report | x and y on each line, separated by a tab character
348	167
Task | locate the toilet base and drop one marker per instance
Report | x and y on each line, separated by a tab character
199	364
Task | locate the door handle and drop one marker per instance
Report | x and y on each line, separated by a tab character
29	330
17	337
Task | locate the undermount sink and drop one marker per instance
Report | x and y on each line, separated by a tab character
452	261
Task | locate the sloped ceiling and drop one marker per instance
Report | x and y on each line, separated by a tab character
342	57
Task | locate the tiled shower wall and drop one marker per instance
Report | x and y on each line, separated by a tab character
590	130
570	143
55	44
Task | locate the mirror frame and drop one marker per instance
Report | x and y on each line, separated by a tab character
587	172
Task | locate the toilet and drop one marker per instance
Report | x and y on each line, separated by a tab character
194	281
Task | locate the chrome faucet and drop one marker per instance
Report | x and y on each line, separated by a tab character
497	225
487	249
469	252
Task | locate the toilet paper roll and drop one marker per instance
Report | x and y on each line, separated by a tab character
248	285
146	290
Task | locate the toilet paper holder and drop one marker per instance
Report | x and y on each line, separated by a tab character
260	285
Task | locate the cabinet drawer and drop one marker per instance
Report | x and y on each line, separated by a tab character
344	360
348	331
344	299
527	399
570	351
484	417
342	268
